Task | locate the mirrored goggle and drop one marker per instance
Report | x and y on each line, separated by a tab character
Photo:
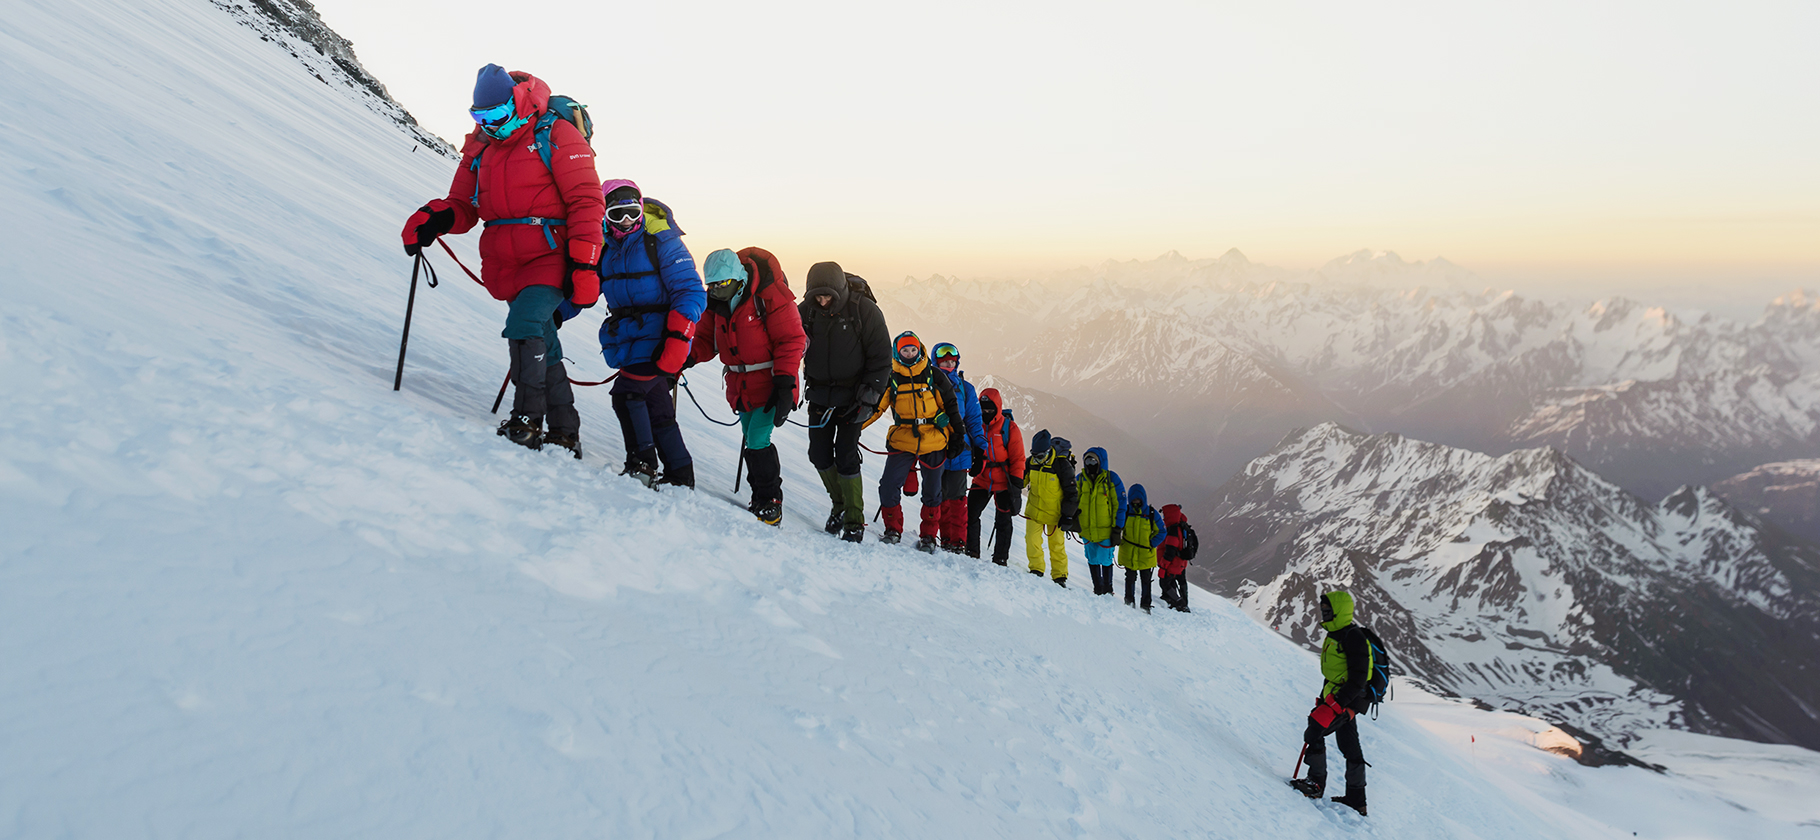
488	116
946	351
723	289
624	214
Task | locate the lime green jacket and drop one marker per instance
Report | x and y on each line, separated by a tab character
1346	657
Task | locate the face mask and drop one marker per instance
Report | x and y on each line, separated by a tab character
988	412
1326	610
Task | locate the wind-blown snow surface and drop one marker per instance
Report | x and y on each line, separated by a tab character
246	590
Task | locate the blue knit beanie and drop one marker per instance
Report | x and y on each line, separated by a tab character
493	86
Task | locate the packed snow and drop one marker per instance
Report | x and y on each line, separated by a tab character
248	590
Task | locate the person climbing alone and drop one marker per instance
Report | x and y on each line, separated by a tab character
1054	504
1143	532
924	434
1177	549
998	478
654	299
753	324
1346	662
1102	517
953	515
845	369
542	209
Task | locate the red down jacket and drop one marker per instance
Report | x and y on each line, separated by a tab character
514	184
1169	553
764	327
1004	448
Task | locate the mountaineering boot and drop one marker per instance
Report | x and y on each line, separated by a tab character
926	544
1037	572
1002	561
683	476
853	533
891	537
1061	582
1354	799
523	430
567	440
894	524
831	480
642	466
769	511
1309	787
955	548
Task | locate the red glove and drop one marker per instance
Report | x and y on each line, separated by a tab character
679	332
1328	711
909	481
430	221
584	272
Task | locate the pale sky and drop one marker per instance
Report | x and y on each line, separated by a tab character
1645	143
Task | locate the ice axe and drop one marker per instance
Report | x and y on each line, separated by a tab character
410	304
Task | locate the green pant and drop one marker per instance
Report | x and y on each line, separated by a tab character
756	425
531	315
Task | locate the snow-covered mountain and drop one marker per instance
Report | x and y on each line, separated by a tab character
1222	357
1786	493
1529	582
247	590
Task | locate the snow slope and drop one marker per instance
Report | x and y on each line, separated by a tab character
246	590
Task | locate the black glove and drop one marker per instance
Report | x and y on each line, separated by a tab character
955	445
557	315
1118	536
428	224
782	386
1072	523
979	464
1015	483
861	413
1017	503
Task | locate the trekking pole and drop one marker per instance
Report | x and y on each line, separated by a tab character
502	392
1298	762
410	304
742	466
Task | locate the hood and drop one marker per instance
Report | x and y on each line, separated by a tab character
1100	452
1342	610
531	97
922	355
998	402
725	265
826	278
1172	515
1137	497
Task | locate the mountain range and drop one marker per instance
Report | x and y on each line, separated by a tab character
1218	359
1527	581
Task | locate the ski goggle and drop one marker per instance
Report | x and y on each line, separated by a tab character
945	350
1091	460
494	114
724	290
625	215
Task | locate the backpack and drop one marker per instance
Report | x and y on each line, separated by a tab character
1378	686
857	285
1191	544
763	269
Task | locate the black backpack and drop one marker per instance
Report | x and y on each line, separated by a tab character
857	285
1378	687
1191	544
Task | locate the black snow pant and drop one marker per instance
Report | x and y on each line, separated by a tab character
1175	590
647	418
1346	735
835	445
1131	579
542	387
1005	506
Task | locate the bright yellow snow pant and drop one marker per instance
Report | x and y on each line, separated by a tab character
1058	548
